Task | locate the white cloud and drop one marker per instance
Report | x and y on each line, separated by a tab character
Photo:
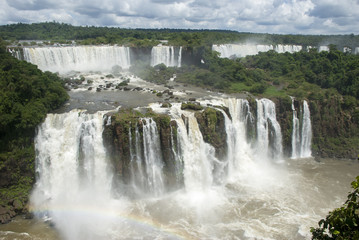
272	16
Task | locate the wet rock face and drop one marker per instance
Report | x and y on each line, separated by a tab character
124	141
212	126
335	131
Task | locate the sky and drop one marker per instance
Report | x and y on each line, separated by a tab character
259	16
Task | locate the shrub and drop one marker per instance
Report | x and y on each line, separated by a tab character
343	222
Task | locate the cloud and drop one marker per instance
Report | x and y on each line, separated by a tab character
31	4
272	16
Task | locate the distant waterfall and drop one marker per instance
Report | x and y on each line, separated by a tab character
302	132
78	58
166	55
323	49
243	50
16	53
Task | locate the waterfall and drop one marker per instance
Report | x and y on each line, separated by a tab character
197	156
179	62
306	132
323	49
269	137
78	58
243	50
91	191
295	133
153	157
166	55
242	123
235	50
15	53
72	170
288	48
302	132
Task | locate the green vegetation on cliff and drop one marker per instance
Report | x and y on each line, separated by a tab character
26	96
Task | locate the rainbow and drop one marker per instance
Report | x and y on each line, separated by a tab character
136	220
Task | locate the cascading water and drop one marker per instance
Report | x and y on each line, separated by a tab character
306	132
295	133
242	195
243	50
269	137
197	156
78	58
179	62
323	49
73	174
302	132
166	55
238	129
153	157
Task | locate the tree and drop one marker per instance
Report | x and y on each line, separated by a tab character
343	222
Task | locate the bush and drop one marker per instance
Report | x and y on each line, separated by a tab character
343	222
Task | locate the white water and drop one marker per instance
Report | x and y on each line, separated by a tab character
73	174
78	58
268	130
243	50
323	49
166	55
302	132
305	150
153	157
246	195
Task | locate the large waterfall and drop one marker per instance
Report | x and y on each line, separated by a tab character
73	172
146	170
78	58
243	50
168	55
302	132
79	187
70	147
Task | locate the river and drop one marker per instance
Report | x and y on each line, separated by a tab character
278	203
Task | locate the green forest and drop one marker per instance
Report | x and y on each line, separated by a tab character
65	33
26	96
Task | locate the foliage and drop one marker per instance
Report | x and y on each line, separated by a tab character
26	96
332	69
159	74
343	222
62	33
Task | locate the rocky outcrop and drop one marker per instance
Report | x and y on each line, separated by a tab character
285	119
123	146
212	126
